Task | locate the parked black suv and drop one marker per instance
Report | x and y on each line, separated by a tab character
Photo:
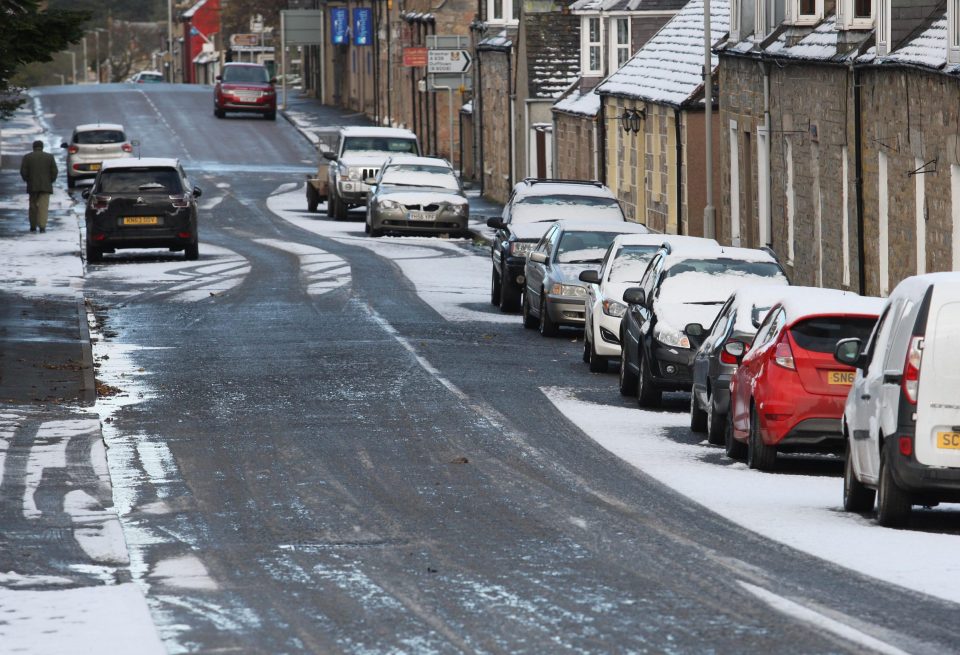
141	203
678	295
533	206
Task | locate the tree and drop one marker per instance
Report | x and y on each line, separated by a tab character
236	14
29	34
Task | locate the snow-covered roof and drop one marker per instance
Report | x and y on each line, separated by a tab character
552	43
927	48
800	302
585	6
579	103
141	162
668	68
821	43
388	132
500	40
87	127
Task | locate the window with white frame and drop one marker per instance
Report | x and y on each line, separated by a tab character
953	36
855	14
804	12
503	11
591	50
883	27
619	42
760	20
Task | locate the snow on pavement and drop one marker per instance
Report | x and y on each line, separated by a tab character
801	511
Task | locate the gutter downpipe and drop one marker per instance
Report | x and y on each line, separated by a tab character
677	117
389	70
767	215
513	136
478	121
858	183
600	126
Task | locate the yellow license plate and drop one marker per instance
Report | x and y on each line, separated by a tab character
93	167
844	378
948	440
141	220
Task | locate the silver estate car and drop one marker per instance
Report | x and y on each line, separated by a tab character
417	195
553	294
90	146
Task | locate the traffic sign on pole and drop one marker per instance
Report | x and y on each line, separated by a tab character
448	61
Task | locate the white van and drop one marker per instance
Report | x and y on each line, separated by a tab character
901	421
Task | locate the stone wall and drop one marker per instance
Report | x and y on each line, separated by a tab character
573	143
494	112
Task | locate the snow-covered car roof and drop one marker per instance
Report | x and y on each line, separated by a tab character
419	161
88	127
592	225
723	252
800	302
390	132
144	162
560	188
676	241
762	297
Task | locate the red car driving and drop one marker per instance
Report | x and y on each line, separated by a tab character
788	391
246	88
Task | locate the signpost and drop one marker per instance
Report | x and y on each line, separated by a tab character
448	68
244	39
449	61
306	28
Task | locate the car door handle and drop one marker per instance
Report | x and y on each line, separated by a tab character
865	396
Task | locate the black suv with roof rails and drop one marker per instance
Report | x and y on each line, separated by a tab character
534	205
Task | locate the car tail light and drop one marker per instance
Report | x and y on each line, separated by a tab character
126	147
180	201
99	236
906	446
183	235
727	358
101	202
784	356
911	369
73	150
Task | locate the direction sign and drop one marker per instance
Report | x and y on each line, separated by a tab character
448	61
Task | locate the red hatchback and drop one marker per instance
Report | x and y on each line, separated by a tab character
788	391
247	88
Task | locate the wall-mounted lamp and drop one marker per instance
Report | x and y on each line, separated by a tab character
631	120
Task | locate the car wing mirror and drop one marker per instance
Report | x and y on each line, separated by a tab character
372	187
495	222
64	144
197	192
847	352
694	330
330	156
590	276
736	349
538	257
219	78
635	296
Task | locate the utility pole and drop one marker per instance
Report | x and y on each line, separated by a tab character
73	66
170	39
709	212
86	61
109	46
96	34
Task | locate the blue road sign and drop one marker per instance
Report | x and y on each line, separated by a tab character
339	25
362	26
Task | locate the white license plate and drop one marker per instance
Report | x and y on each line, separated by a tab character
421	216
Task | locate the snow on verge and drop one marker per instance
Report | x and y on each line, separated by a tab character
803	512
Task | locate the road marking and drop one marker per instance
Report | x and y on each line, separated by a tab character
799	612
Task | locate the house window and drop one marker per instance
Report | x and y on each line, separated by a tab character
863	9
953	36
883	28
855	14
619	42
503	11
804	12
734	20
592	34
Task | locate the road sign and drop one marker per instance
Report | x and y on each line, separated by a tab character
303	26
362	26
414	57
448	61
244	39
339	25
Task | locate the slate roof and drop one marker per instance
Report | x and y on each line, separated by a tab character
668	68
627	5
502	40
820	43
579	103
926	48
553	53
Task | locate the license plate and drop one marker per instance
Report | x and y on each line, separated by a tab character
420	216
248	97
141	220
948	440
844	378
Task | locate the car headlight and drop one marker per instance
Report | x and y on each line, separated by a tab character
354	174
568	290
614	308
390	205
343	170
669	336
521	248
458	209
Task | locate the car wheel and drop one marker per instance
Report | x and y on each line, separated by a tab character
219	113
893	503
494	288
509	297
340	211
94	254
547	327
192	251
760	456
734	449
597	363
529	320
271	116
647	394
330	199
716	423
698	417
313	198
856	496
628	381
586	348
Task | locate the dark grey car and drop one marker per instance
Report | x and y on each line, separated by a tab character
417	195
713	367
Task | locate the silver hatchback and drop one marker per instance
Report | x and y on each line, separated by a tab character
90	146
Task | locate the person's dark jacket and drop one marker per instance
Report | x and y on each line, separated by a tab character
38	169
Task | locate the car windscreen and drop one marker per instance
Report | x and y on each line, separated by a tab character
578	247
630	263
555	207
99	137
379	144
821	334
140	180
420	175
151	77
248	74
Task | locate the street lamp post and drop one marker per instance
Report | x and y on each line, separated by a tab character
709	211
170	38
73	66
96	34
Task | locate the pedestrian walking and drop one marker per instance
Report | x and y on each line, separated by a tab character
38	169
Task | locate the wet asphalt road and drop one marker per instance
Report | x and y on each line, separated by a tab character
341	495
